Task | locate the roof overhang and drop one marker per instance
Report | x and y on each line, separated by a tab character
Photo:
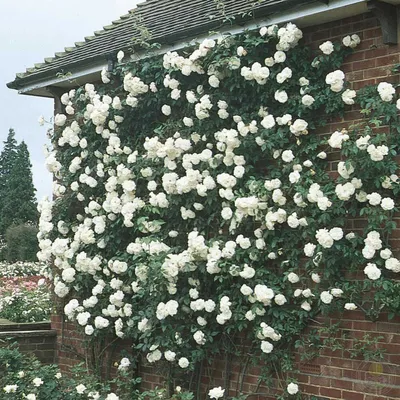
315	13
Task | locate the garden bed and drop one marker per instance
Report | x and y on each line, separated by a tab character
24	293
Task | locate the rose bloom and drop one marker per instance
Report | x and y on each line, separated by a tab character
183	362
216	393
372	271
292	388
327	47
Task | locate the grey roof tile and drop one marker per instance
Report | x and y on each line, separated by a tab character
165	20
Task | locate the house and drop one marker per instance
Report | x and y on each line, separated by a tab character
174	24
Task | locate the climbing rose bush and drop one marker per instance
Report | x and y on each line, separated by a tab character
196	198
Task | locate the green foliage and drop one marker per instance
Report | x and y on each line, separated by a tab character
8	158
17	193
335	338
25	301
367	348
21	243
22	375
186	251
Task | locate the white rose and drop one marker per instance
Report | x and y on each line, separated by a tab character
246	290
387	204
304	81
216	393
292	388
372	271
393	264
280	57
266	346
183	362
213	81
385	254
336	233
326	297
169	355
226	213
374	199
309	249
368	252
280	299
199	337
298	127
60	119
247	272
327	47
348	96
268	122
345	171
386	91
166	110
307	100
324	238
316	278
336	292
281	96
293	278
287	156
269	62
240	51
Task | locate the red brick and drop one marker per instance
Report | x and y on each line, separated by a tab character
331	371
365	64
330	392
387	60
360	84
342	363
342	384
352	395
364	325
310	389
388	327
353	374
381	72
372	33
320	381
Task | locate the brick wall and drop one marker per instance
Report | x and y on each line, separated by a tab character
36	338
334	374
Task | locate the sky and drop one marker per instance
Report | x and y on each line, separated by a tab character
29	32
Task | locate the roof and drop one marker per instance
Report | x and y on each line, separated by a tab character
161	21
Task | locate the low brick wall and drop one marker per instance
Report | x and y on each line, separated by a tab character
37	338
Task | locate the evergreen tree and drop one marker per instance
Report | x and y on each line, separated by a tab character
18	193
7	161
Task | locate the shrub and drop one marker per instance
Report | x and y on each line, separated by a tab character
24	293
24	300
23	377
22	243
